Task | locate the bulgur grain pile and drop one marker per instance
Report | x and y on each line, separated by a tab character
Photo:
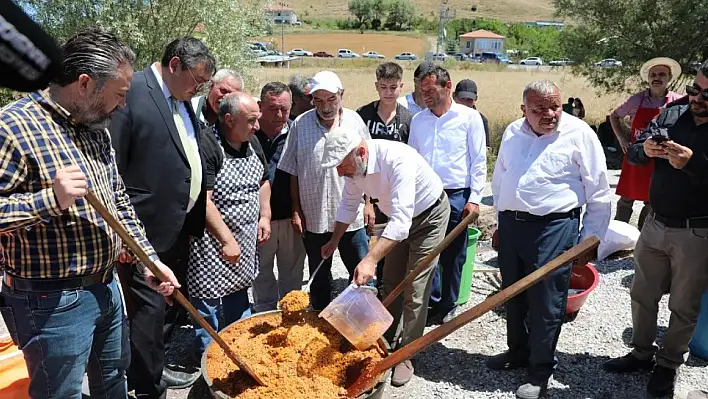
294	301
305	351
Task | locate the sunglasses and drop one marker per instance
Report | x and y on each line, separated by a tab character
694	91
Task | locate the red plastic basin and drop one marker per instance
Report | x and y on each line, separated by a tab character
583	277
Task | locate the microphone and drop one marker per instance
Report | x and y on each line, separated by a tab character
29	57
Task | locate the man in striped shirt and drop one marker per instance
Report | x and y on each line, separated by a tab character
59	298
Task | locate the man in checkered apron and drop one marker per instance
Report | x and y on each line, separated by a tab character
238	207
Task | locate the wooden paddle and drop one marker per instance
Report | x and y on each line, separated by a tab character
581	252
177	295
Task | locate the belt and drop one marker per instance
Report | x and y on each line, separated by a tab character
57	284
527	217
679	223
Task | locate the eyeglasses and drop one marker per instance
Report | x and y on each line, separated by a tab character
200	86
694	91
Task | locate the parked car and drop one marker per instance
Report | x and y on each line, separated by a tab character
346	53
372	54
608	63
406	56
300	52
461	57
298	23
561	62
322	54
531	61
438	56
499	58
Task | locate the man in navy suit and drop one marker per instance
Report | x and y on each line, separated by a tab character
156	140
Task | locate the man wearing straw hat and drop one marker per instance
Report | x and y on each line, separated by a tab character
641	108
411	194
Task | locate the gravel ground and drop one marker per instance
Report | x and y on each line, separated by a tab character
454	368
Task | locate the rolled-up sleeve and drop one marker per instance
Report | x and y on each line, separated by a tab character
349	205
593	172
402	204
477	154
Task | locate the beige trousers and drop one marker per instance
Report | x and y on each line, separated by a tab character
668	258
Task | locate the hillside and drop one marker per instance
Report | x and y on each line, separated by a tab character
505	10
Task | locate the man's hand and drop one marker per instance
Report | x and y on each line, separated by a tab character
654	149
364	272
328	249
69	184
495	240
125	257
624	143
369	217
263	230
298	221
678	154
166	288
231	251
469	208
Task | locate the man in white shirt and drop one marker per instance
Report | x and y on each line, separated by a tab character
316	192
550	165
450	137
414	101
206	107
412	196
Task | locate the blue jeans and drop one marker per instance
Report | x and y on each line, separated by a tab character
534	317
353	247
448	273
219	313
65	334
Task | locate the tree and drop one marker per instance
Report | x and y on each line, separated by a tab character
362	10
148	25
632	31
400	15
379	10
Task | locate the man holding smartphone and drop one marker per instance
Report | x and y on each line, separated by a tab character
670	253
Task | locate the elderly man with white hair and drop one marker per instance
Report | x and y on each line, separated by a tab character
550	166
411	194
316	192
206	107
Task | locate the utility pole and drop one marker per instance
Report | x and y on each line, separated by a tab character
445	15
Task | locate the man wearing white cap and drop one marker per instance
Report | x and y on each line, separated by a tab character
641	108
411	194
315	192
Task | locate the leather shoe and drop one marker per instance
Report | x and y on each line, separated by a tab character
402	373
662	382
627	364
507	361
180	377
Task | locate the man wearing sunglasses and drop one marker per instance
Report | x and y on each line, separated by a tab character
670	253
157	146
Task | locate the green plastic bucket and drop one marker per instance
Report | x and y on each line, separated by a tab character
468	269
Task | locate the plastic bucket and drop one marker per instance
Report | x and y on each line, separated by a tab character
468	269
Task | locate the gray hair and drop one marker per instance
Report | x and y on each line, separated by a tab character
297	85
224	73
96	53
544	87
229	105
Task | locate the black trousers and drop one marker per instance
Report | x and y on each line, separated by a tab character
152	321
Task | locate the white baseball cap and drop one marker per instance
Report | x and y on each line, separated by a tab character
326	80
339	143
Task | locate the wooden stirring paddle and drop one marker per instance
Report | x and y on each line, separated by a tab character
177	295
581	252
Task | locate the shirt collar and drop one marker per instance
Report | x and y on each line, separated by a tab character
163	86
44	99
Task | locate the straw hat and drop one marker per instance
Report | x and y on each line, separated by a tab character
665	61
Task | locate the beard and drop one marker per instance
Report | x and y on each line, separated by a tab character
699	108
93	113
361	166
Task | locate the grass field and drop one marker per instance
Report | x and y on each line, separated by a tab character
505	10
387	44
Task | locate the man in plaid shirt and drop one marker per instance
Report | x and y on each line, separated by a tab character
59	298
